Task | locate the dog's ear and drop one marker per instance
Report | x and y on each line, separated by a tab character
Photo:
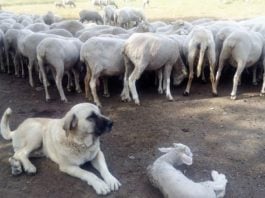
70	124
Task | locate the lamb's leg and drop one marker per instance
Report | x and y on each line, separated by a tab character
240	68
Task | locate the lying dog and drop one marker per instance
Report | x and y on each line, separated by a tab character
69	141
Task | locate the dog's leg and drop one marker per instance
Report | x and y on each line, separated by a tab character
16	167
100	164
99	185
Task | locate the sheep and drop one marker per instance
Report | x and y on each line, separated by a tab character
49	18
59	4
174	184
145	3
177	27
2	37
37	27
61	55
70	3
200	41
59	32
102	3
108	15
242	49
154	52
27	47
89	15
12	38
72	26
126	16
103	57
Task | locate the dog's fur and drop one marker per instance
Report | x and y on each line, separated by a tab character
69	141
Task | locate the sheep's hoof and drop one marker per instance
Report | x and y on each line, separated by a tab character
254	83
106	95
48	99
262	94
160	91
78	91
137	103
64	100
185	93
68	89
215	94
233	97
23	76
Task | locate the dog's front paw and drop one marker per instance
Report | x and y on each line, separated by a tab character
101	187
113	183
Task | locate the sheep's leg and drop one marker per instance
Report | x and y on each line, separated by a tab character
16	64
203	74
22	66
77	85
30	67
240	68
262	92
93	87
125	94
106	87
212	62
132	79
58	80
86	82
69	81
219	72
160	78
167	72
254	75
44	78
191	73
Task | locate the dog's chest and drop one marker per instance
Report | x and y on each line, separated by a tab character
80	154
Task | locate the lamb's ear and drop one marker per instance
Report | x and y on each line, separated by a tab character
186	159
70	124
164	150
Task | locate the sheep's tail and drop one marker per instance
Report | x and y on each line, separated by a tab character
5	129
219	183
201	57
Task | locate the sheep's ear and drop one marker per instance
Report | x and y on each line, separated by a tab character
70	124
186	159
164	150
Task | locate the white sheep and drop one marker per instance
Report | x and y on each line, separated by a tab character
174	184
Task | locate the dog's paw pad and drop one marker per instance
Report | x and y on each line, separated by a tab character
113	183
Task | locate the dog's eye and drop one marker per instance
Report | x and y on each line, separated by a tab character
91	117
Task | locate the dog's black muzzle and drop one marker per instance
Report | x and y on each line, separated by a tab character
102	125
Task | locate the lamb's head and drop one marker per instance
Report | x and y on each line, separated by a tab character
179	153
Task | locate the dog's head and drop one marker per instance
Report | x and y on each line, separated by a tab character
85	122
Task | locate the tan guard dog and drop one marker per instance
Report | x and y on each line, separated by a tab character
69	141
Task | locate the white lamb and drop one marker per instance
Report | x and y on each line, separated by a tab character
174	184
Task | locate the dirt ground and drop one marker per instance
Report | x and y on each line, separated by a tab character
225	135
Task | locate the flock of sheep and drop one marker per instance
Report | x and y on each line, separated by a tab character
123	43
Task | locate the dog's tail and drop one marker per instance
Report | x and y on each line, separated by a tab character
219	183
5	129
